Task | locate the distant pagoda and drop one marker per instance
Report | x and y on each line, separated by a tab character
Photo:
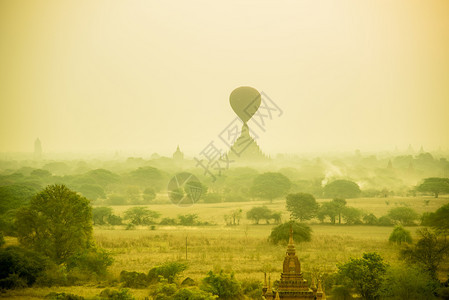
37	149
292	285
246	149
178	155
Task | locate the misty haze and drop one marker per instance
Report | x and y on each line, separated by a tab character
239	150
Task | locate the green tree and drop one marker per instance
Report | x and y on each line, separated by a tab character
141	216
225	286
102	177
370	219
20	267
439	220
149	194
302	206
341	189
270	186
259	212
147	176
133	194
188	219
192	293
301	232
428	253
434	185
58	223
169	270
352	215
40	173
15	196
332	209
92	191
408	283
100	215
364	274
400	235
404	215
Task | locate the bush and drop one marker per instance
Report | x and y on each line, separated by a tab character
400	235
141	216
164	291
134	280
223	285
92	260
168	221
301	233
122	294
252	289
408	282
370	219
192	293
63	296
385	221
188	220
169	271
20	267
403	215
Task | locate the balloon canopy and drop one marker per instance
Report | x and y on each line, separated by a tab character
245	101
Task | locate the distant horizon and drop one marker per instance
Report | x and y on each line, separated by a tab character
138	76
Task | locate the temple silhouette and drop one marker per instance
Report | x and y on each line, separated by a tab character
245	102
245	148
292	285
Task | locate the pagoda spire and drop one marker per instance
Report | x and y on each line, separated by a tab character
320	288
291	246
269	290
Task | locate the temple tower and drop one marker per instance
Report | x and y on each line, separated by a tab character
292	285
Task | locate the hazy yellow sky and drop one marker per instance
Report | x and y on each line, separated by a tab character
148	75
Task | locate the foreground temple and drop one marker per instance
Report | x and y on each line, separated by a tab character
292	285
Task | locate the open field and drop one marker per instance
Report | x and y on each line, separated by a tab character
243	249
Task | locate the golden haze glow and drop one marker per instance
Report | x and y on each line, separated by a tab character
148	75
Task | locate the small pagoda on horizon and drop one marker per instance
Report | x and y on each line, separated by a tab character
292	285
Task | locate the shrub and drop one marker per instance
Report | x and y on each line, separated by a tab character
370	219
403	215
164	291
301	232
167	221
400	235
408	282
141	216
169	271
92	260
188	220
20	267
385	221
63	296
193	293
225	286
114	220
364	274
134	280
252	289
122	294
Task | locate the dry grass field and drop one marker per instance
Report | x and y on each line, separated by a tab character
243	248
